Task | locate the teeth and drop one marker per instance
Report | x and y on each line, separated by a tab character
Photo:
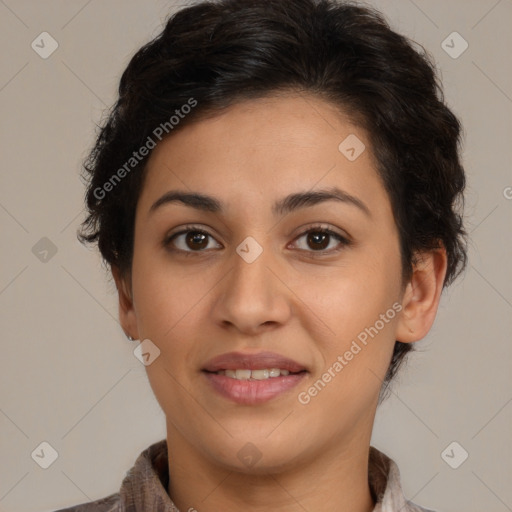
260	374
244	374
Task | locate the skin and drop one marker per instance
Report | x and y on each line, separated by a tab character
291	300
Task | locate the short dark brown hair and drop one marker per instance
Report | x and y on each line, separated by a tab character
215	53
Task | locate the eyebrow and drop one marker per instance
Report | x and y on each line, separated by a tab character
283	206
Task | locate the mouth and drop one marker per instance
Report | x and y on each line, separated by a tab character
260	374
251	379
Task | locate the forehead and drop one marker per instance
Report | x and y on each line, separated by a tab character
260	150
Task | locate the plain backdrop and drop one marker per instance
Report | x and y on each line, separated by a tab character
68	376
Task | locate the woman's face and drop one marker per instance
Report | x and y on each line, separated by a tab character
258	292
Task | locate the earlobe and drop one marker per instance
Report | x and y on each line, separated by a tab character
422	295
127	316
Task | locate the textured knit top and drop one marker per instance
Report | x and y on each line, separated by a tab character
145	485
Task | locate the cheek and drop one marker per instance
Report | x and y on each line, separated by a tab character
359	309
167	305
166	294
351	298
355	359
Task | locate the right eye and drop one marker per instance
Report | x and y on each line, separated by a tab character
188	240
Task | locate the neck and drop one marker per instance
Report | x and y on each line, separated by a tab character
333	481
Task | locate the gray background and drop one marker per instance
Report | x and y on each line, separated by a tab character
68	375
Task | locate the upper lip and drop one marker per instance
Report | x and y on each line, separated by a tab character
258	361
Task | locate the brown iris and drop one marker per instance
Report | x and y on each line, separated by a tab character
195	237
315	237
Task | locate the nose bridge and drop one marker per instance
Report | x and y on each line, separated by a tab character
252	294
250	274
250	265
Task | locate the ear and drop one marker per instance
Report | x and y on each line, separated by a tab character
422	295
127	316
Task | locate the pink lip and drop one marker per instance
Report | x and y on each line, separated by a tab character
252	392
258	361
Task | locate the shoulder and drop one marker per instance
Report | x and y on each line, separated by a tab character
146	482
385	485
110	503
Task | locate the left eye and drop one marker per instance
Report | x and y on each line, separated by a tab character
320	238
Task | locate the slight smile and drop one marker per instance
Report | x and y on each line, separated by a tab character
251	379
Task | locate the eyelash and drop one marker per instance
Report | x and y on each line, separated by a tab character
344	242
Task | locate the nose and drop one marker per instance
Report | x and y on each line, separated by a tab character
252	298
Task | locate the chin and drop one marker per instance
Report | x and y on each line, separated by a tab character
256	456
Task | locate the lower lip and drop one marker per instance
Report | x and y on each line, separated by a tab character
252	392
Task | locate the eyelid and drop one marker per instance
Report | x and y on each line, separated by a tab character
322	226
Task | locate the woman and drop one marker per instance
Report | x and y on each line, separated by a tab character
276	193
